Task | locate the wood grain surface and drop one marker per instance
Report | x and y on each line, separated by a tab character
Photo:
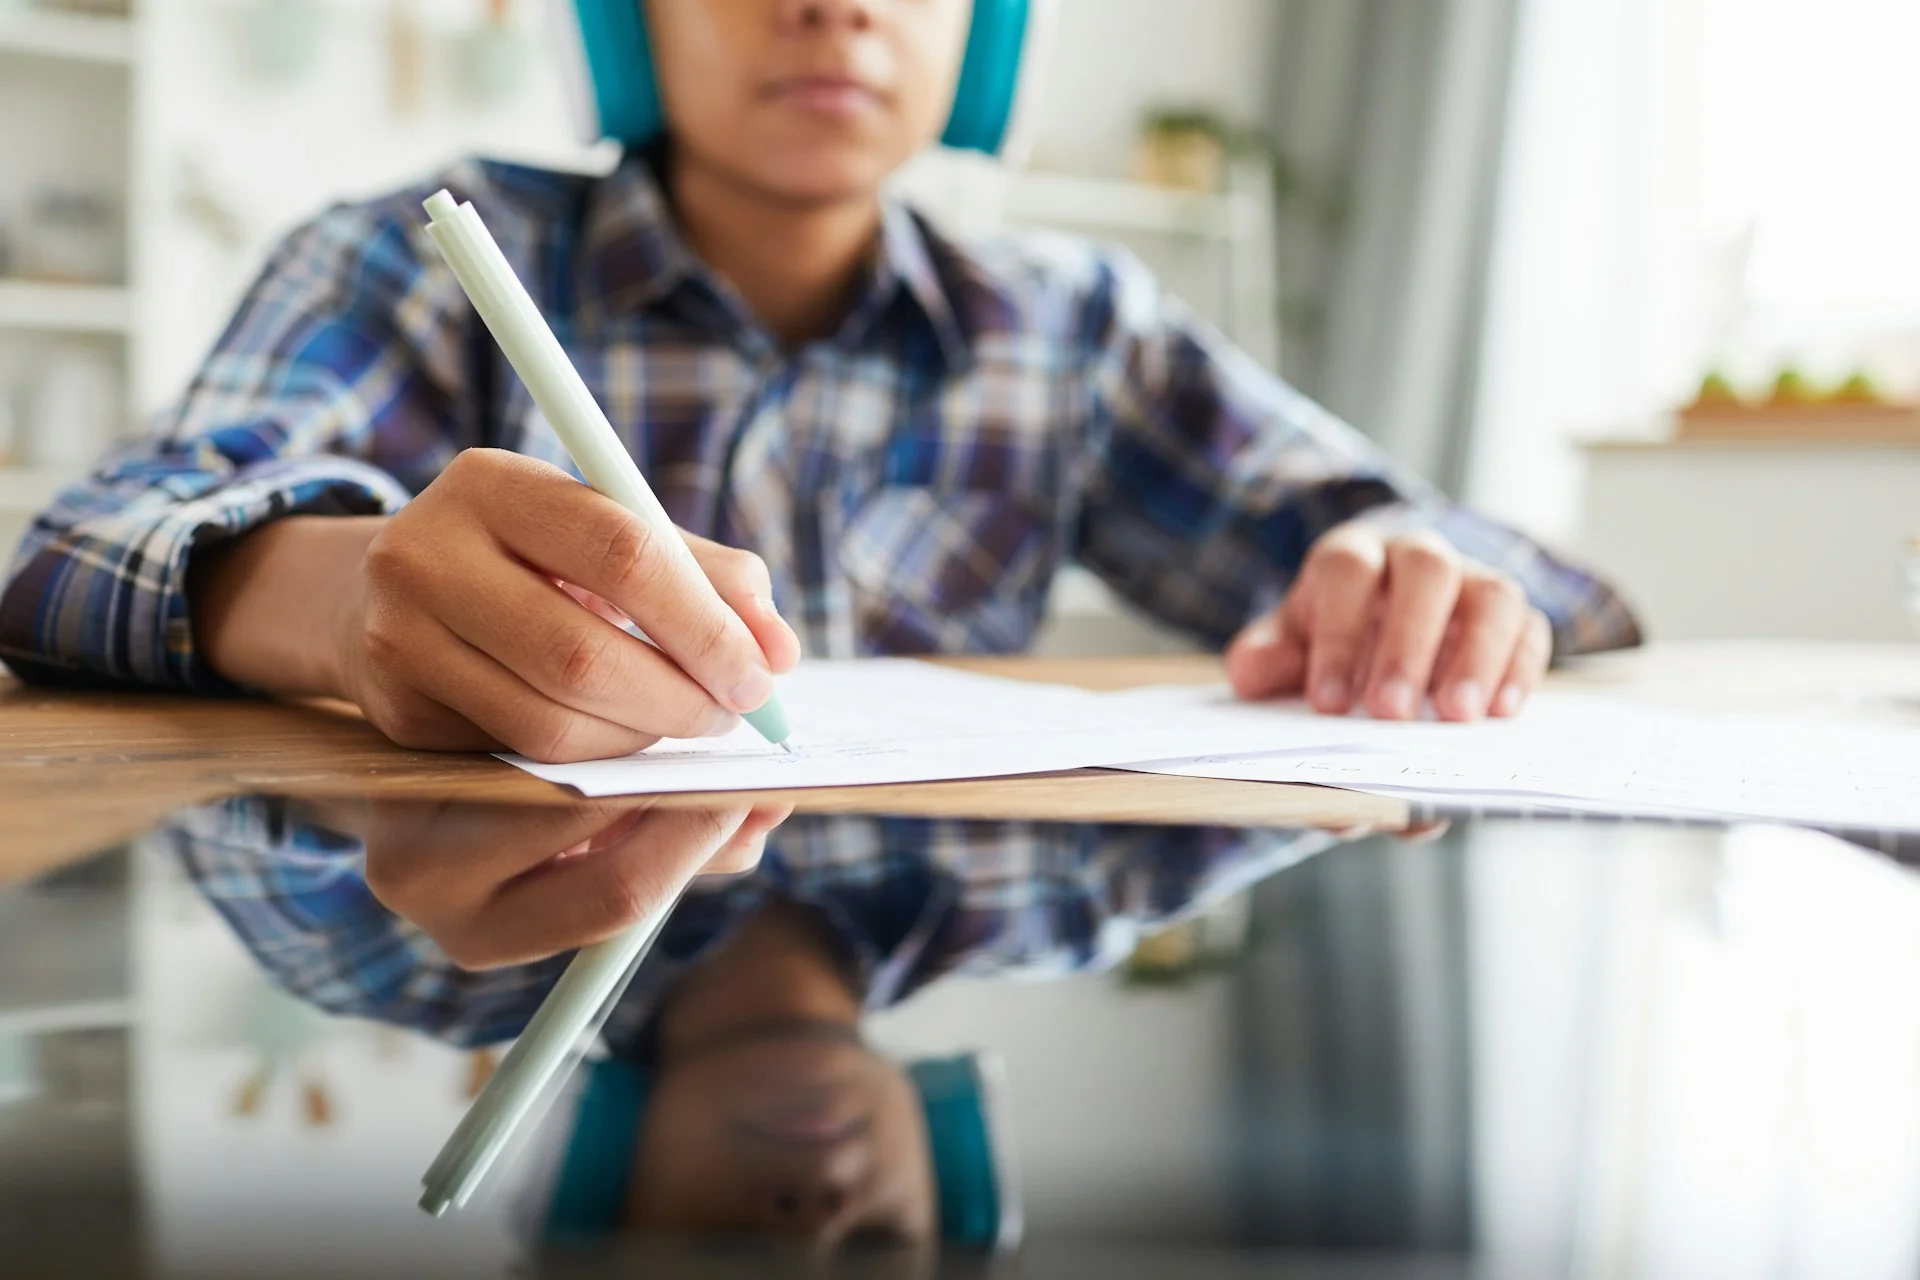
81	771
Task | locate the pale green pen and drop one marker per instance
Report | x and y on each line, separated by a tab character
556	387
594	976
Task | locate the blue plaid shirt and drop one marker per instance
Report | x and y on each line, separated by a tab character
911	900
986	413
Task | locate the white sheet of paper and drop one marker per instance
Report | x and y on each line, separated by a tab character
1582	754
897	720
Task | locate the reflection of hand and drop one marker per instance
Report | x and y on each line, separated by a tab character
504	884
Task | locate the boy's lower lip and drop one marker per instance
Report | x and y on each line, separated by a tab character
837	98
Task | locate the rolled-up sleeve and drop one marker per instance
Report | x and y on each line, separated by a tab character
336	389
1210	478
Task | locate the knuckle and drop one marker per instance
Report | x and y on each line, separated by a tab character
465	953
1495	591
749	570
394	882
708	639
615	901
553	738
1343	559
630	554
580	659
1423	557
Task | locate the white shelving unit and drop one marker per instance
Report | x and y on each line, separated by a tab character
25	490
69	81
42	307
80	37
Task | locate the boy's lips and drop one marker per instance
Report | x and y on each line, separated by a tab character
837	96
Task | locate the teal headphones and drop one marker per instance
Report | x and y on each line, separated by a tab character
962	1098
624	102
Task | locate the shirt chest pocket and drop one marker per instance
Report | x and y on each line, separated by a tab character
946	571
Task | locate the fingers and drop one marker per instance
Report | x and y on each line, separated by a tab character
1342	574
577	901
743	582
507	711
1422	586
577	659
742	853
1389	622
1487	625
504	884
1529	665
567	531
436	859
1268	658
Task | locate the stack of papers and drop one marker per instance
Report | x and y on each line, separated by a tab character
885	721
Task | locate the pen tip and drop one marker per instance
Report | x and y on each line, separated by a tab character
787	747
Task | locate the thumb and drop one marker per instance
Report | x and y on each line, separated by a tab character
1268	658
743	582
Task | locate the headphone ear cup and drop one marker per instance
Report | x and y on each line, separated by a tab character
618	58
984	97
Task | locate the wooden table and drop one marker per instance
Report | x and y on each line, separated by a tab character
80	771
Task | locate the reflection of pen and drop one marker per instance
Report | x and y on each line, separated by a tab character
591	980
536	355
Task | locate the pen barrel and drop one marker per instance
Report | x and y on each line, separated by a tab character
536	355
561	395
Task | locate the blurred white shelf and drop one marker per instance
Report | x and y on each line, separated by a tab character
64	308
1056	198
79	37
80	1015
29	489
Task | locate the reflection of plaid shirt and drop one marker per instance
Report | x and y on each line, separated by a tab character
912	899
984	414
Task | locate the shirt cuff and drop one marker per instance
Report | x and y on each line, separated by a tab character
103	601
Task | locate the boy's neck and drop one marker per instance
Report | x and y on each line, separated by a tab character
796	264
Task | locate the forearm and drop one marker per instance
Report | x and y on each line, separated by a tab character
270	610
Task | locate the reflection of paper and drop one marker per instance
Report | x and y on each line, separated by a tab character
897	720
1581	754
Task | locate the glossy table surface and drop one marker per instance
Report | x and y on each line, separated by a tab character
1228	1041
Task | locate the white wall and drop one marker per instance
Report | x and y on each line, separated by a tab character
1119	1098
1112	58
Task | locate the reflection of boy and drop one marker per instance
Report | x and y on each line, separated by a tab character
742	1030
912	434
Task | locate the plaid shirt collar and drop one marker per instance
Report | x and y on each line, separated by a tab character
634	257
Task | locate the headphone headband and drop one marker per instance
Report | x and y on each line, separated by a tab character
617	92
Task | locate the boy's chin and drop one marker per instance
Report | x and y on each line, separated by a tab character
829	178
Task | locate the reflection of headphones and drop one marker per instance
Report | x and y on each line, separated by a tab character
618	93
965	1102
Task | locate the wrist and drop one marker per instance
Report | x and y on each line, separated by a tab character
273	610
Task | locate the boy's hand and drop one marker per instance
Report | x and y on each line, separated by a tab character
495	885
1382	621
463	636
450	626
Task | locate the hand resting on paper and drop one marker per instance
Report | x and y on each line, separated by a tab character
495	885
1386	621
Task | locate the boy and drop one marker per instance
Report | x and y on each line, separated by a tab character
906	435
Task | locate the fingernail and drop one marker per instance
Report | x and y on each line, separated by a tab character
723	722
751	692
1330	694
1509	700
1396	695
1263	634
1469	702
